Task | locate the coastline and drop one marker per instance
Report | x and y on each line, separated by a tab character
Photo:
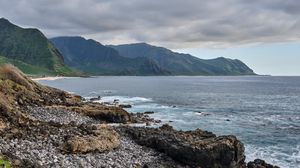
50	78
47	127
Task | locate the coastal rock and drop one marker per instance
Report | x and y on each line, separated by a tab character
258	163
125	106
149	112
142	118
104	138
195	148
95	98
102	112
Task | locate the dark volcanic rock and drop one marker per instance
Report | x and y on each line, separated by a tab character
142	118
149	112
258	163
125	106
195	148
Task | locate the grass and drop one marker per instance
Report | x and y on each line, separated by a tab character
26	68
35	71
4	163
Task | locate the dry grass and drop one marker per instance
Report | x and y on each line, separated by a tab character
2	125
10	72
4	104
103	138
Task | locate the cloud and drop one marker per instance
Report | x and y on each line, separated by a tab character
171	23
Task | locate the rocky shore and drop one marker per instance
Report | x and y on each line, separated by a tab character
46	127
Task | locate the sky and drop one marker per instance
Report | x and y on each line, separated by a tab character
265	34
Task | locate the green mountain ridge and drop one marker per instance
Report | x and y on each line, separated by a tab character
29	47
184	64
34	54
92	57
140	59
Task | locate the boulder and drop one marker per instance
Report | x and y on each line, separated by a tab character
95	98
125	106
149	112
258	163
194	148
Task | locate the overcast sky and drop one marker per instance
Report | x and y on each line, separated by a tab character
254	31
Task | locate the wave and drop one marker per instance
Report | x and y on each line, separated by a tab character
125	99
182	117
274	155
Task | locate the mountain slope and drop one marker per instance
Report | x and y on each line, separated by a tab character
184	64
92	57
31	47
29	69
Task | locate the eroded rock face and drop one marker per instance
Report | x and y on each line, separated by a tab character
194	148
102	138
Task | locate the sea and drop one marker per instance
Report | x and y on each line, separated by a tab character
262	111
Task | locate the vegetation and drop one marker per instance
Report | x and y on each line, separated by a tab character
184	64
30	50
4	163
26	68
140	59
9	72
94	58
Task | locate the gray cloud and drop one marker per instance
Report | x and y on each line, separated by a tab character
172	23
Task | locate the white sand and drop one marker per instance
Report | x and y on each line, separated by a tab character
50	78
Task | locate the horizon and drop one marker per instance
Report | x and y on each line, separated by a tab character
265	35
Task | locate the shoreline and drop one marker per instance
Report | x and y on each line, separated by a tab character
50	78
48	127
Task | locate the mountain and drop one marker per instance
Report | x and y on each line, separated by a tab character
30	50
92	57
183	64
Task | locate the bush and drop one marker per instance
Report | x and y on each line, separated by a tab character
10	72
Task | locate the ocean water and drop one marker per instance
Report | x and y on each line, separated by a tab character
262	111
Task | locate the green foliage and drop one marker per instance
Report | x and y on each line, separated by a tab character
184	64
4	163
26	68
30	50
91	57
140	59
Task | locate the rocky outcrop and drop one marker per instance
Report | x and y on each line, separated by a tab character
258	163
103	138
18	91
143	118
194	148
125	105
100	112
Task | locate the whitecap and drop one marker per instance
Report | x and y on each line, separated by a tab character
272	155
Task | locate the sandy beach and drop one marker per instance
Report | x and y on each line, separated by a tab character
50	78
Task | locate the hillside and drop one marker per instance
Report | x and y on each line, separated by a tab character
30	47
140	59
184	64
92	57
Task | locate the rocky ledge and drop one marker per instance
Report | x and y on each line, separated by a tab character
194	148
46	127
